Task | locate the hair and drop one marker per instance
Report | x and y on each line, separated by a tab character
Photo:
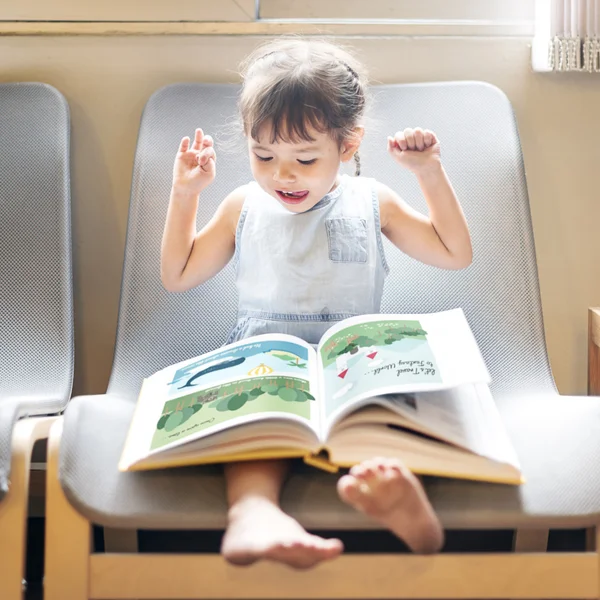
292	85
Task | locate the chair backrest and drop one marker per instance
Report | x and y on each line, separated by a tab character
499	292
36	297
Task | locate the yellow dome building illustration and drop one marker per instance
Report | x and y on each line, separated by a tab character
262	369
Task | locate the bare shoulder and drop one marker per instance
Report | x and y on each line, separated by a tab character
235	200
389	202
231	207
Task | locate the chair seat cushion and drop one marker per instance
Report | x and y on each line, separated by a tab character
557	439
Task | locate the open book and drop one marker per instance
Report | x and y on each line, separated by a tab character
407	386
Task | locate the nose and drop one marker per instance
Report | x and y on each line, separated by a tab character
283	174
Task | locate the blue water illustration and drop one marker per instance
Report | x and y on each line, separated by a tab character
254	359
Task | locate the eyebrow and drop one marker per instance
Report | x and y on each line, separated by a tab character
304	150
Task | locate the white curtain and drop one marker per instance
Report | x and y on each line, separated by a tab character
572	34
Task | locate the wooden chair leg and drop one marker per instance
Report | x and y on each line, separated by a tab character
68	536
120	540
530	540
594	352
590	539
13	510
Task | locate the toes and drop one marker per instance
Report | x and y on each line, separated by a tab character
357	493
369	473
358	470
390	470
395	465
331	548
349	489
394	473
293	554
324	546
379	470
304	553
366	470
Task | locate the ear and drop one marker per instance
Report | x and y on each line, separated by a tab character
351	144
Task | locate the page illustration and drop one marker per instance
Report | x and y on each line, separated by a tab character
376	354
249	379
248	360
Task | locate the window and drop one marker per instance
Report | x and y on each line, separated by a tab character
406	17
474	10
274	17
130	10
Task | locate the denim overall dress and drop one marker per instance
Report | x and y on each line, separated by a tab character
299	273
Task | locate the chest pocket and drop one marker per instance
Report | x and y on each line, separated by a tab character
347	239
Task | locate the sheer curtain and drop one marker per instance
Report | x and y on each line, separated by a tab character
566	37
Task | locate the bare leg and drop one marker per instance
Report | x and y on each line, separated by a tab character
387	491
258	528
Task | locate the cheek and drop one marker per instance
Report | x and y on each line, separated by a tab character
315	173
259	169
328	167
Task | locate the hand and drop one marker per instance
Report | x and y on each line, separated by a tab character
194	167
417	149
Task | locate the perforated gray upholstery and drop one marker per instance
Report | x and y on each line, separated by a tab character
36	308
499	294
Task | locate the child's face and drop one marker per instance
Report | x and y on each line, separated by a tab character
297	174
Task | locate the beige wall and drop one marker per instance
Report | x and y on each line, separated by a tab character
107	80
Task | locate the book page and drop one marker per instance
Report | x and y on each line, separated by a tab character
260	378
464	416
380	354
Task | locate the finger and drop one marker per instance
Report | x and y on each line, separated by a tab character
409	136
391	144
207	141
206	155
184	144
428	138
197	139
401	141
209	167
419	142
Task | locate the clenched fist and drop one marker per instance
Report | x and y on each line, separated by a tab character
417	149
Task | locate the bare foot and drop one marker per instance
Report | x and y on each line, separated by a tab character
259	529
387	491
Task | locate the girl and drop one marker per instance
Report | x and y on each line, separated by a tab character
312	238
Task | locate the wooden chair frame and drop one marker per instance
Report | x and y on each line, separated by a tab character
594	352
75	572
13	509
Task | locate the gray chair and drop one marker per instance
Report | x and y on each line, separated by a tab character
557	438
36	304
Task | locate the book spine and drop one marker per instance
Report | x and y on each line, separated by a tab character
321	462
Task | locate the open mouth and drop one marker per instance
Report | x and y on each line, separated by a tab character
292	197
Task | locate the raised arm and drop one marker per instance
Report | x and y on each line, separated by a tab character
441	239
189	258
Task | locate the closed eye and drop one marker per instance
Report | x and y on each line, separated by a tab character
264	158
307	162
